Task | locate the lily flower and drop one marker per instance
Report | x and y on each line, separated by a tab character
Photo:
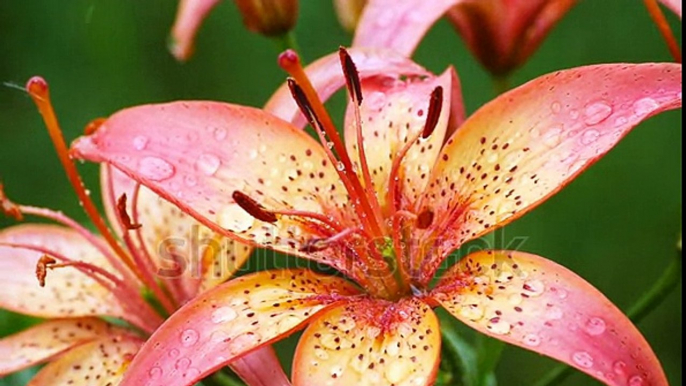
267	17
151	261
385	208
502	35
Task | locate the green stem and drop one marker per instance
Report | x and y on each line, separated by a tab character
501	84
221	379
648	302
287	41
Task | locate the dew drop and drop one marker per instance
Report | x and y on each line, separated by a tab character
340	167
182	363
140	142
556	107
190	180
329	144
619	367
595	326
574	114
223	315
219	133
636	380
397	371
219	336
191	373
621	121
596	113
155	373
562	293
208	164
499	326
554	313
532	340
253	154
552	137
472	311
173	353
189	337
583	359
321	353
234	218
590	136
645	106
336	372
155	169
534	287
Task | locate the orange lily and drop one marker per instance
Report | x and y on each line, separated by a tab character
73	277
385	208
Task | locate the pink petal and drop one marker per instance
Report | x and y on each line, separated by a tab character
398	24
370	342
67	292
327	77
674	5
260	367
184	252
532	302
44	341
103	361
527	144
393	112
189	17
197	154
229	321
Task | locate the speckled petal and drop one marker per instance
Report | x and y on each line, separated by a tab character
529	143
196	154
398	24
231	320
393	111
44	341
100	362
327	77
176	242
370	342
67	291
189	17
534	303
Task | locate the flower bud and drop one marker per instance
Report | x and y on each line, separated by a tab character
269	17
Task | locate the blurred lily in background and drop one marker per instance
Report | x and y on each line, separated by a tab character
412	182
272	18
151	261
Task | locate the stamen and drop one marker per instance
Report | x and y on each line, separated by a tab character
37	87
352	76
123	215
316	245
8	207
42	266
253	207
290	62
663	26
434	112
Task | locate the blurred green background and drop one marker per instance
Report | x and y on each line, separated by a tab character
616	225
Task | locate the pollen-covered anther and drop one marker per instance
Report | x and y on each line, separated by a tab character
303	103
434	112
352	76
123	215
253	207
8	207
42	266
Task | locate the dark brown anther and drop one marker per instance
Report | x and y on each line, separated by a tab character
314	245
301	100
8	207
352	76
435	106
425	219
42	266
253	207
124	216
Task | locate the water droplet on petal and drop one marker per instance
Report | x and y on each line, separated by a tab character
532	340
190	180
499	326
556	107
219	133
182	363
189	337
208	164
340	167
397	371
596	113
636	380
552	137
534	287
155	169
619	367
321	353
590	136
219	336
645	106
253	154
173	353
191	373
329	144
140	142
472	311
234	218
223	314
595	326
583	359
554	313
562	293
155	373
574	114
